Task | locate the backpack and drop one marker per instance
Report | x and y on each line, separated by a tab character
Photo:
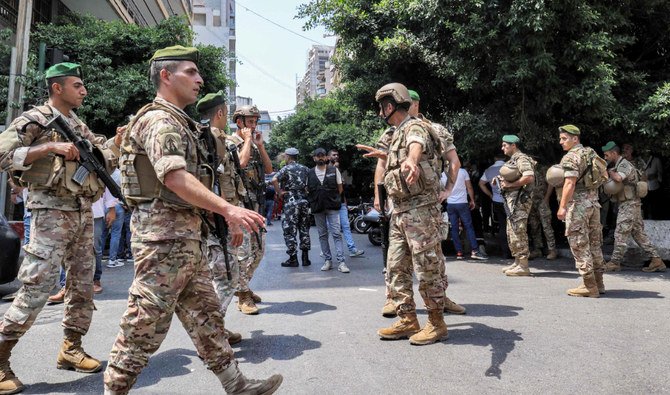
595	174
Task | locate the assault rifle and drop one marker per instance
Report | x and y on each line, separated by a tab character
220	225
246	199
384	221
90	157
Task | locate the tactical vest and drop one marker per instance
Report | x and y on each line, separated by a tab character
323	196
425	190
52	172
255	174
139	180
513	164
629	190
229	181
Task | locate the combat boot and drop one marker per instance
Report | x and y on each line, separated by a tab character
292	261
234	382
535	254
612	267
255	298
388	310
305	258
434	331
246	304
452	308
520	270
72	356
588	288
233	337
656	265
9	383
599	282
405	327
512	266
553	254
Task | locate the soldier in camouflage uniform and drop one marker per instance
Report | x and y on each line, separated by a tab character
164	167
579	208
291	182
213	108
629	219
539	220
255	162
412	179
517	190
61	225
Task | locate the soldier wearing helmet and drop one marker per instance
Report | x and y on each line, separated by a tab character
255	163
516	180
411	178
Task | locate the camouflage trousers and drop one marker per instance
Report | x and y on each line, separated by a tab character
517	229
539	222
249	256
414	246
629	223
296	219
57	239
225	289
171	276
584	233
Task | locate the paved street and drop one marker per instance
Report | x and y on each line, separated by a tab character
520	335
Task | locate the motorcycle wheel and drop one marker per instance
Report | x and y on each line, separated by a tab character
375	236
359	225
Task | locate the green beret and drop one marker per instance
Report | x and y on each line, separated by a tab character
64	69
413	95
569	129
176	52
511	139
609	146
210	101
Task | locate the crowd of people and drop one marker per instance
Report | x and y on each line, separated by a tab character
197	202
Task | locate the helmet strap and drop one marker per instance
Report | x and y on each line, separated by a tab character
387	117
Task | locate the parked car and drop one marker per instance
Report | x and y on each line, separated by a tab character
10	249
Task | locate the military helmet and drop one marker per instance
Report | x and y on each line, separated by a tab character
555	176
246	111
510	173
612	187
396	90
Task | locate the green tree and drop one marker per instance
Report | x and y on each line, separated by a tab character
114	58
516	66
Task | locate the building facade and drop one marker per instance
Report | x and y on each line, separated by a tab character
316	81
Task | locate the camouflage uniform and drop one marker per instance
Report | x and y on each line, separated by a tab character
582	220
293	180
414	234
251	252
629	219
61	226
519	203
171	270
539	220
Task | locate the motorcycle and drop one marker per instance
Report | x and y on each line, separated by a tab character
356	215
372	222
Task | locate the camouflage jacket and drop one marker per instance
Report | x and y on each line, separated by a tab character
254	169
232	188
293	180
574	164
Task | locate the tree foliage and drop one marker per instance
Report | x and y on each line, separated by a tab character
512	66
114	58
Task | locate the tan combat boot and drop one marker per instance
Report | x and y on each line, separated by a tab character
656	265
234	382
233	337
553	254
612	267
520	270
405	327
255	298
452	308
9	383
588	288
434	331
246	304
599	282
512	266
72	356
388	310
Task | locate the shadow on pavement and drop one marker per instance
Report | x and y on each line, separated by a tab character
501	341
491	310
171	363
298	308
90	383
631	294
555	274
260	348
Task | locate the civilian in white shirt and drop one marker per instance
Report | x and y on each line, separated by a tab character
459	208
493	192
105	204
